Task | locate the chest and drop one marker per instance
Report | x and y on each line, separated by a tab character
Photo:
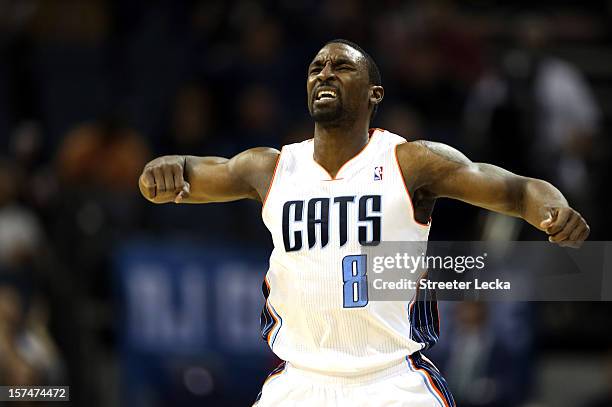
308	210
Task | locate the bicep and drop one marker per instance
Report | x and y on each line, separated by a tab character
484	185
217	179
211	180
446	172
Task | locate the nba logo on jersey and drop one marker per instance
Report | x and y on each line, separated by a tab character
378	173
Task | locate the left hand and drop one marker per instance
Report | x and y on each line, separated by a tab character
565	227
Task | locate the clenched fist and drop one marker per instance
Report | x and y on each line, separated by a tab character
162	180
565	226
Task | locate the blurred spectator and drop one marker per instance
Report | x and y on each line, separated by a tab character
38	188
14	368
605	400
26	257
20	231
106	154
540	111
486	359
28	355
26	144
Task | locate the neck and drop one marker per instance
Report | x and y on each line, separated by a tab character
335	145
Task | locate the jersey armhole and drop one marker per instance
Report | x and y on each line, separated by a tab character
263	205
399	168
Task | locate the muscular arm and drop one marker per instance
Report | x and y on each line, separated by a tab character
190	179
441	171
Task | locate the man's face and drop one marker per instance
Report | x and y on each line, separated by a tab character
338	84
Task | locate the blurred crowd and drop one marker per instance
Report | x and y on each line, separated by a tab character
90	90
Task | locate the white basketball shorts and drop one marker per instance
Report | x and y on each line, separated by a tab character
415	382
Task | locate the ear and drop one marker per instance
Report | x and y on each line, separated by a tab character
377	93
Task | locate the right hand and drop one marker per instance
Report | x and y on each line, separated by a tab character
162	180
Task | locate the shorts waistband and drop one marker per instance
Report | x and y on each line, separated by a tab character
325	378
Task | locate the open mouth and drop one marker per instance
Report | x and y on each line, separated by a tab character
326	94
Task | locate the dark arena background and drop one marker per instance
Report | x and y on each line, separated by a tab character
134	304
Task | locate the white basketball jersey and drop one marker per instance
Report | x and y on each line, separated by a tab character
316	221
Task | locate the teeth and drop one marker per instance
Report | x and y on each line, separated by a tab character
326	94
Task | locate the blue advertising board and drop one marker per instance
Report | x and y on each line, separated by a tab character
188	323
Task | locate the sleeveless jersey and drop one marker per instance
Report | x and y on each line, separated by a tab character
317	222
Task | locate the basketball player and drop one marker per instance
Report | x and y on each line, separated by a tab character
323	199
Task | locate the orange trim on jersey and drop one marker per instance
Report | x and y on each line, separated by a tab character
399	168
272	313
273	376
371	133
431	382
271	180
267	283
273	328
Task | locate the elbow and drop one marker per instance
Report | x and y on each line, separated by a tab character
519	196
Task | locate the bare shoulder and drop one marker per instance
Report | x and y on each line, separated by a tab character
256	166
265	155
423	152
423	161
255	160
